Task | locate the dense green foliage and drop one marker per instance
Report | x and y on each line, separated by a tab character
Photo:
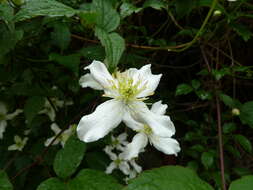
203	48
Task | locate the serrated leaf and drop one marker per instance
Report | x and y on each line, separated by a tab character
183	89
93	180
229	127
69	61
32	106
52	184
242	31
245	183
155	4
126	9
114	46
4	181
69	158
61	35
244	142
107	19
169	178
246	113
207	159
51	8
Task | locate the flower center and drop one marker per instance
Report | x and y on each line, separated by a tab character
147	130
117	161
126	87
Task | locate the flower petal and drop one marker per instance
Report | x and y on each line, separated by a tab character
110	168
49	140
159	108
14	114
124	167
131	123
106	117
148	80
166	145
138	143
3	125
88	81
55	128
161	125
13	147
100	73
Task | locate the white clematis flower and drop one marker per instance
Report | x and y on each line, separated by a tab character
117	162
60	139
4	117
19	143
127	89
147	134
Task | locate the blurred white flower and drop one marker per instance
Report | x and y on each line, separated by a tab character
127	89
117	162
145	133
4	117
61	138
51	107
119	142
19	143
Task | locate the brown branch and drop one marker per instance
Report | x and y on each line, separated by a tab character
218	110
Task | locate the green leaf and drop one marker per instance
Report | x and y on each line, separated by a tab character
114	46
155	4
32	106
52	184
184	7
126	9
168	178
227	100
61	35
229	127
88	179
88	18
93	53
195	84
69	158
245	183
6	13
4	181
51	8
242	31
246	113
244	142
207	159
107	19
183	89
69	61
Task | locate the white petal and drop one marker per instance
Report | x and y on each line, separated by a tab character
108	151
110	168
148	80
166	145
124	167
100	73
17	139
159	108
3	125
14	114
13	147
122	137
161	125
136	167
138	143
106	117
55	128
49	140
88	81
131	123
3	109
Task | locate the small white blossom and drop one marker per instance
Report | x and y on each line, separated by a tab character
119	142
147	134
60	139
4	117
117	162
49	109
128	90
19	143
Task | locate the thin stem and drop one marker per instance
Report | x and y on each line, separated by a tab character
218	109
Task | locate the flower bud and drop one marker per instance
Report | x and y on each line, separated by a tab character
235	112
